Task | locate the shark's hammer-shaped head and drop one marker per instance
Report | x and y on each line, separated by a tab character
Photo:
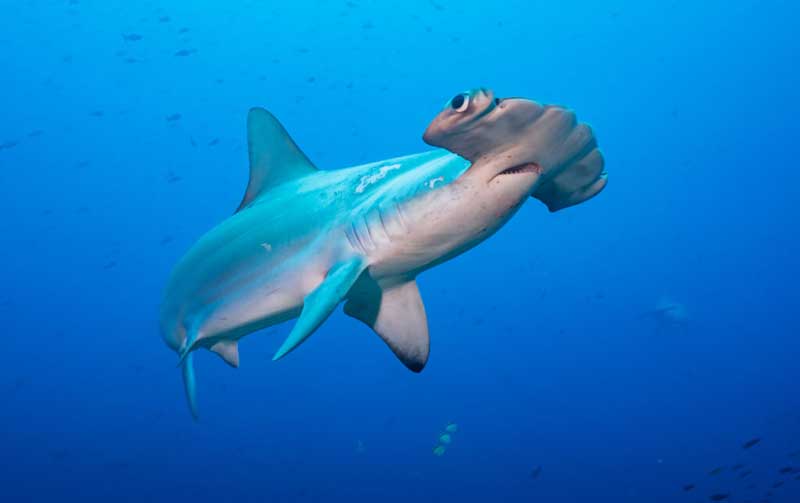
520	146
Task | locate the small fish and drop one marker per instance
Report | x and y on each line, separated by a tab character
131	60
183	30
97	113
7	145
165	240
35	133
173	117
173	178
164	19
194	143
716	471
797	478
750	443
719	497
745	473
786	470
110	265
688	487
185	52
213	142
131	37
536	472
737	467
777	484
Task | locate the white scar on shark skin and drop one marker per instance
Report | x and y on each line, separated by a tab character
305	240
431	183
368	180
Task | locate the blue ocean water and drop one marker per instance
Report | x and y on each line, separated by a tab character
122	140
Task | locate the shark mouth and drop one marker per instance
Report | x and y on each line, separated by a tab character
529	167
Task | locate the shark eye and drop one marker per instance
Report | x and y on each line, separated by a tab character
460	102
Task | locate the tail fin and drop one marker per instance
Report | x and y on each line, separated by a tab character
189	386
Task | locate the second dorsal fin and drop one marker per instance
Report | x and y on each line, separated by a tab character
274	157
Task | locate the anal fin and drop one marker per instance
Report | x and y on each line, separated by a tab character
397	315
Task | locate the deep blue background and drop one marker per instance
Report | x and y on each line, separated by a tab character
539	349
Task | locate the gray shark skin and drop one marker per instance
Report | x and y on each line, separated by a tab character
305	240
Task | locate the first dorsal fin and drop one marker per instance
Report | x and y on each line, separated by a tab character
274	157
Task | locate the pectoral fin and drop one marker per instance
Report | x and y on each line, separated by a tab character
227	350
320	303
397	315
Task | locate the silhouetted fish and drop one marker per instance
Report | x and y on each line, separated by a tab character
536	472
717	470
7	145
745	473
185	52
786	470
719	497
131	37
688	487
35	133
213	142
750	443
737	467
173	117
777	484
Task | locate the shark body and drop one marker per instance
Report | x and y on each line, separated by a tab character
304	240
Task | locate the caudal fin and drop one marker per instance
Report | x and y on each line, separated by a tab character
189	386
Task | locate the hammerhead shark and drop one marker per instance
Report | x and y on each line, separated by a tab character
304	240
